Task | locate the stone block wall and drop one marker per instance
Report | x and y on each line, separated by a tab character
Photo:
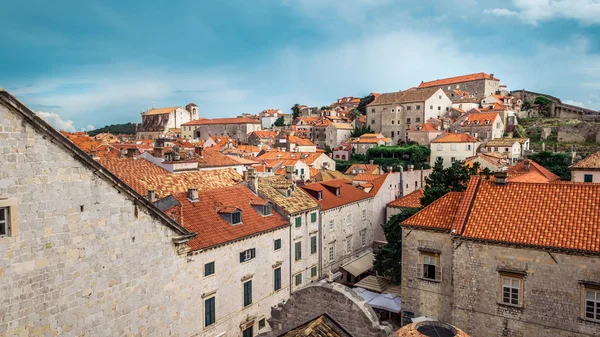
552	291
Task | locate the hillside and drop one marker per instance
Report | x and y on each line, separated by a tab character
562	134
115	129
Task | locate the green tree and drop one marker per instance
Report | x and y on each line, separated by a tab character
279	121
543	104
115	129
354	114
557	163
443	180
357	132
325	107
295	111
327	149
388	261
362	105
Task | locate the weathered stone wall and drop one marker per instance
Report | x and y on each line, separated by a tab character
424	297
552	292
86	261
342	304
479	88
238	132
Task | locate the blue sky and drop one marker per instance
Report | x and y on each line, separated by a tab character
85	64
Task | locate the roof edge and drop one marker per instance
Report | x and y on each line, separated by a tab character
42	126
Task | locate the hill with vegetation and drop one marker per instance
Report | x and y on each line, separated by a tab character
115	129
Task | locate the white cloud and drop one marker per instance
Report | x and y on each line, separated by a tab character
56	121
537	11
500	12
90	127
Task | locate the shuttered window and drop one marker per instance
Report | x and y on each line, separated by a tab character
247	255
277	279
209	311
298	250
247	293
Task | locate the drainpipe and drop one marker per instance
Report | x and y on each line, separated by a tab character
320	243
402	181
290	254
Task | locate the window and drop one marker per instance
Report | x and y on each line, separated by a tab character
364	214
313	271
453	147
248	332
431	107
592	304
298	279
392	110
247	255
261	323
398	122
418	107
372	121
587	178
349	244
439	96
236	218
302	171
468	147
298	250
439	108
331	254
267	210
452	159
511	289
313	217
331	225
277	244
417	120
209	311
4	222
392	121
348	220
373	110
505	149
298	221
247	293
408	108
363	238
209	268
439	147
430	266
313	244
408	121
277	279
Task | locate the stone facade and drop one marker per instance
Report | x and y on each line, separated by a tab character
348	309
479	88
236	128
92	257
557	107
157	122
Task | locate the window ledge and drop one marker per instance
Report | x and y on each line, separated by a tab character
429	280
510	305
588	321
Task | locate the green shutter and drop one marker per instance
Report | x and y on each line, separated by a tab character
298	221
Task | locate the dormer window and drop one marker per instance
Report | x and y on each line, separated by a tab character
319	195
236	217
288	193
267	210
337	191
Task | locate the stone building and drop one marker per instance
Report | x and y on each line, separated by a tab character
411	200
262	138
337	133
451	147
347	226
393	114
587	170
513	149
479	85
483	125
423	134
362	144
557	109
157	122
303	214
236	128
268	117
500	253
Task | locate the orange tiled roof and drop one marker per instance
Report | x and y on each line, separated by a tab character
366	168
141	175
457	79
300	141
478	119
376	181
424	127
561	216
348	193
455	138
536	173
264	134
234	120
440	214
492	158
161	111
203	216
307	157
411	200
591	162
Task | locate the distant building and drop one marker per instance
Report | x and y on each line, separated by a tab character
513	149
480	85
423	134
494	162
236	128
587	170
360	145
411	200
393	114
268	117
346	103
342	152
262	138
483	125
337	133
159	121
452	147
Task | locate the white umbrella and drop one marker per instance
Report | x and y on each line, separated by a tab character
389	302
367	295
423	319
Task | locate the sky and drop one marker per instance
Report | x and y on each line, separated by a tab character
86	64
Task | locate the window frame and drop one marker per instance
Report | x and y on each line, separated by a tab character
298	251
298	221
592	288
313	244
5	224
277	279
423	255
267	210
247	300
520	289
331	254
213	268
213	311
313	272
276	244
236	213
11	217
586	176
247	255
313	217
298	279
349	244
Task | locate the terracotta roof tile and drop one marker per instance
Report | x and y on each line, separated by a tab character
203	216
535	174
439	214
424	127
457	79
454	138
264	134
406	96
411	200
234	120
365	168
502	142
479	119
376	181
298	201
348	193
161	111
591	162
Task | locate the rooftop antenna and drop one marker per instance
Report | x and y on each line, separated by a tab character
152	105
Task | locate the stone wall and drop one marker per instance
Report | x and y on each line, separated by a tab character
479	88
552	292
346	307
420	296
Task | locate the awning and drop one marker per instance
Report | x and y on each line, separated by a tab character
374	283
387	302
360	265
365	294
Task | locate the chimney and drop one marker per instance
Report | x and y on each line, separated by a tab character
526	164
501	178
289	172
158	152
151	196
252	180
389	169
371	162
410	167
192	194
198	150
492	76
